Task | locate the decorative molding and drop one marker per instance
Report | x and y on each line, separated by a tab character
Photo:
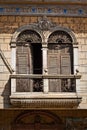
57	10
59	37
29	36
43	29
45	102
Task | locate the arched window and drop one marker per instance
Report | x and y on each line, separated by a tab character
28	60
33	58
60	60
45	61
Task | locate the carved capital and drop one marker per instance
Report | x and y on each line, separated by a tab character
13	44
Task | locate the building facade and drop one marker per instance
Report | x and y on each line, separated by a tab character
43	65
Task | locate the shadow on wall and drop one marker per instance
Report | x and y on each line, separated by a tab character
6	94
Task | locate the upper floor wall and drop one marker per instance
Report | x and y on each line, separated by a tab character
15	17
10	27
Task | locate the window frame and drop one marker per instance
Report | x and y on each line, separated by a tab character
45	60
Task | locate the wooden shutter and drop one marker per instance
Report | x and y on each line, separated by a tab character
65	64
59	62
53	64
54	68
23	67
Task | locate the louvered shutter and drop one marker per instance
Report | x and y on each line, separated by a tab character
23	60
65	64
54	68
59	62
23	67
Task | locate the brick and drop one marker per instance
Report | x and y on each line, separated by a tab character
11	19
26	19
70	20
22	24
33	19
55	20
4	18
1	24
14	25
18	19
62	20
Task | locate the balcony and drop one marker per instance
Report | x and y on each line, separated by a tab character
36	91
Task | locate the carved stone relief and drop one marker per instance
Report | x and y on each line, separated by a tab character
29	36
59	37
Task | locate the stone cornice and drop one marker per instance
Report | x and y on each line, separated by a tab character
64	2
44	10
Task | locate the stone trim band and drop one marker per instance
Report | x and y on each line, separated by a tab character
59	10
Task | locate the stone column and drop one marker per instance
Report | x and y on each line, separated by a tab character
76	66
75	50
13	64
45	68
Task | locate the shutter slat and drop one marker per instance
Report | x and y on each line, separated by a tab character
59	62
53	64
23	67
65	64
54	68
22	59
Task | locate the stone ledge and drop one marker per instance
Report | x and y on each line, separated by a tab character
45	101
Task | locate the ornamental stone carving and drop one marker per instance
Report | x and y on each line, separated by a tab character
44	24
29	36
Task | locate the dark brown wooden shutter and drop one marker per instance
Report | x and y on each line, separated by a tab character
23	67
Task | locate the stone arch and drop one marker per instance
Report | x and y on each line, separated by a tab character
31	27
66	30
42	118
29	36
59	37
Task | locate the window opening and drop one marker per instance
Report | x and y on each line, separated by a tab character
60	61
37	58
37	66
